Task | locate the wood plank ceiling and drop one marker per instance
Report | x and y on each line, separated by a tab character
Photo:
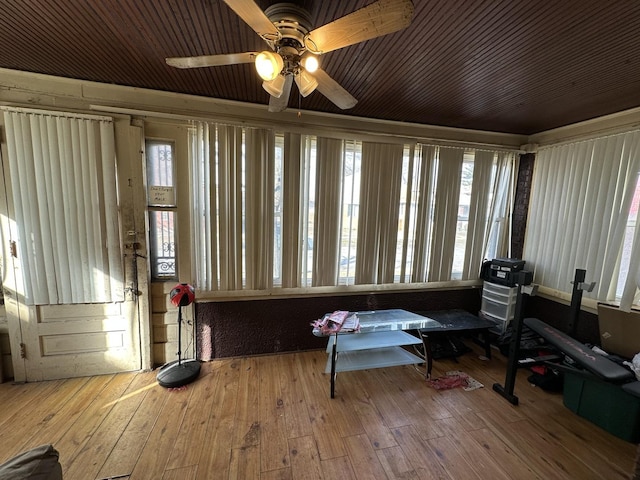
518	66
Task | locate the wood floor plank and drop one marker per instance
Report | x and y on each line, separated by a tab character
416	450
442	450
188	443
339	467
215	456
366	463
247	419
245	463
280	474
507	459
296	414
274	449
305	459
484	465
395	464
182	473
459	423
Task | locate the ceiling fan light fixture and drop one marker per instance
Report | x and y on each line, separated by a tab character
310	63
274	87
306	83
269	65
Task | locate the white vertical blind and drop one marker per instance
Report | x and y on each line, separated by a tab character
229	201
478	213
489	225
259	210
498	235
291	194
204	203
62	173
579	211
329	159
424	220
445	213
378	217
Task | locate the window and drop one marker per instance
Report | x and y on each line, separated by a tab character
289	210
161	198
626	264
583	214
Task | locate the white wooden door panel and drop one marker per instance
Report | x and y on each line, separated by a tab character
80	340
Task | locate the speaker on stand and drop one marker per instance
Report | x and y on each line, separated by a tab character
179	372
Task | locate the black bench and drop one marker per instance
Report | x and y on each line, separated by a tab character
598	365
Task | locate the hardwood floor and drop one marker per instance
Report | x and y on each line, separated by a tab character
271	417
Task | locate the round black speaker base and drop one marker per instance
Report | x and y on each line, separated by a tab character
177	374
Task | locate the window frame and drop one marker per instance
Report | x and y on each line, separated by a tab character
163	205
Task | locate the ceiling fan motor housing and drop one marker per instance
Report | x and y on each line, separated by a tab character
293	23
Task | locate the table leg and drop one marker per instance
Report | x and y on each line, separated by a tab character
334	359
427	352
487	344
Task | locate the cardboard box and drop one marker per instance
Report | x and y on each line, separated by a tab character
619	331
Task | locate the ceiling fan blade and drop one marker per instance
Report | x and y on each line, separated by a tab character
211	60
252	14
374	20
278	104
333	91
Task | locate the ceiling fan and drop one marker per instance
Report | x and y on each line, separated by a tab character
295	46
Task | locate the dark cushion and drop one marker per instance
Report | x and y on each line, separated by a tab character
633	388
40	463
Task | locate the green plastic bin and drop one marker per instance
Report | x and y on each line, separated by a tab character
604	404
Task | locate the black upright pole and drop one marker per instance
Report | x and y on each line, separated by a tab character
180	335
514	346
576	300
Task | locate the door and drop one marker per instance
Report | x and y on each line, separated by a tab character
69	338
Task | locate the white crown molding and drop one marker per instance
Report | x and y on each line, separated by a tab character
26	89
625	120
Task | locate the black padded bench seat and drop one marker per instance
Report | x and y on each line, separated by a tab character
632	388
597	364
